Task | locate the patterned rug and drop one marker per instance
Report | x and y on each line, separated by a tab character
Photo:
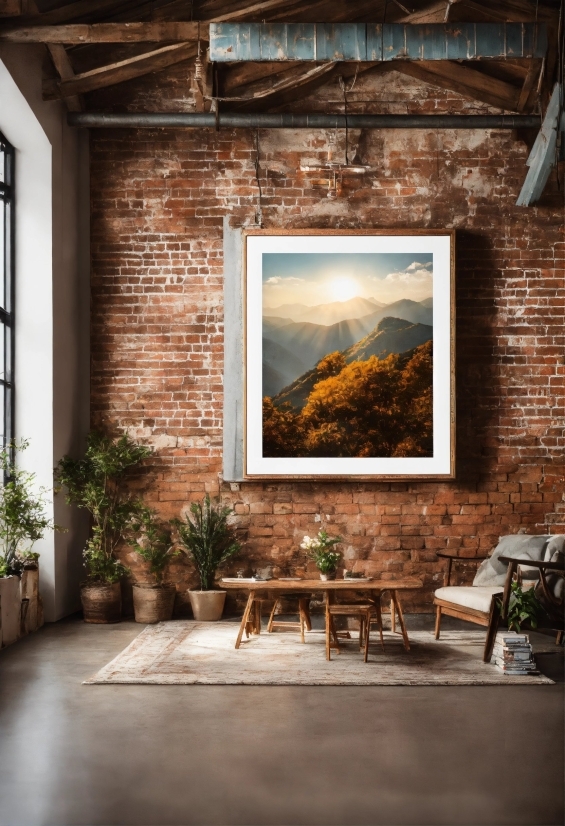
184	652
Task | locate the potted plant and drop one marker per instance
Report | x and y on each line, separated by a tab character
151	539
524	608
22	522
207	537
320	550
96	482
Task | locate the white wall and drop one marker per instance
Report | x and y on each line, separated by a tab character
52	302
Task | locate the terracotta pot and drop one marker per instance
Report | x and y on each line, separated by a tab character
327	577
101	603
10	609
207	606
153	604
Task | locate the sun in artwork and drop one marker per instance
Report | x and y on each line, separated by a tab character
343	288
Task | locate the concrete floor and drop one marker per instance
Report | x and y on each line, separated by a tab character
179	755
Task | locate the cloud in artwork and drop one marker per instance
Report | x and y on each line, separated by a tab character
276	281
414	274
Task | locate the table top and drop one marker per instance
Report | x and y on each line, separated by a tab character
324	585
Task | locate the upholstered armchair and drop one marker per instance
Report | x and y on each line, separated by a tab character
481	602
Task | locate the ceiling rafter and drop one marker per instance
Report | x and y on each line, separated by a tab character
120	71
464	80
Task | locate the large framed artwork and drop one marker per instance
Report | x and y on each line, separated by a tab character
349	354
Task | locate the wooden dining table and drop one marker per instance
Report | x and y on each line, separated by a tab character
258	590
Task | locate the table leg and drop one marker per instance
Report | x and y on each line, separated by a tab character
257	616
392	617
245	618
304	606
396	603
272	616
378	612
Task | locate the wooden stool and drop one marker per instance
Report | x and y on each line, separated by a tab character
303	615
366	612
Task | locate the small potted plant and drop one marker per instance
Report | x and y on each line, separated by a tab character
207	537
96	482
22	522
320	550
151	539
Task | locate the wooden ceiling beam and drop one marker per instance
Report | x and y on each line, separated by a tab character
119	72
65	70
71	11
467	82
82	33
11	8
528	87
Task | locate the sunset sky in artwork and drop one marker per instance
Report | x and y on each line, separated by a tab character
318	278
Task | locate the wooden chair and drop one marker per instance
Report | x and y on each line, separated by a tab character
365	612
474	603
304	621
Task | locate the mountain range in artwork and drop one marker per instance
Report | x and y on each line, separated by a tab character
296	337
350	376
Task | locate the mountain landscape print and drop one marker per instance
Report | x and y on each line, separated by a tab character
347	354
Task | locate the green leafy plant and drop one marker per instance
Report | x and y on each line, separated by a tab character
96	483
151	538
524	608
320	550
207	537
22	513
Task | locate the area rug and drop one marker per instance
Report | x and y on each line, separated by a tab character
185	652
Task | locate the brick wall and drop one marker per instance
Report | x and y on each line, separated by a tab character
158	199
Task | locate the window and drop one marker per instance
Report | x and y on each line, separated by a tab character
6	290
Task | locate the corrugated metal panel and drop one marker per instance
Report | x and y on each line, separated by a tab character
325	42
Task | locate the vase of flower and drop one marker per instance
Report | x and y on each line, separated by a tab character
320	550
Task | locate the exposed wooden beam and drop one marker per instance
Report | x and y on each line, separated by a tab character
304	83
435	13
65	71
510	11
292	78
10	8
234	78
248	11
466	81
528	86
78	34
71	11
119	72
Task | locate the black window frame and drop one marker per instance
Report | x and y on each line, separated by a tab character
7	287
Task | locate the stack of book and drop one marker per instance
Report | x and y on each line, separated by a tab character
513	653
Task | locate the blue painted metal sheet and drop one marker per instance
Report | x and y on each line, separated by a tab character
343	41
374	42
325	42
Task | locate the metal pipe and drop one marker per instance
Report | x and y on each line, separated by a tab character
231	120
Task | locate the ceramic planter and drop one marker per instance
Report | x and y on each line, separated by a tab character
327	577
207	606
153	604
10	609
101	603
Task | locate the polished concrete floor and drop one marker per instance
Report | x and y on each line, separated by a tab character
179	755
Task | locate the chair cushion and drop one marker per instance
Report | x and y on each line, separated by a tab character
470	596
493	572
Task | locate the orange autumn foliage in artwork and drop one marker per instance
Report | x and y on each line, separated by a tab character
377	407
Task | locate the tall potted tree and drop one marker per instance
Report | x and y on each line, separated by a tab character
151	539
22	522
96	482
207	537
